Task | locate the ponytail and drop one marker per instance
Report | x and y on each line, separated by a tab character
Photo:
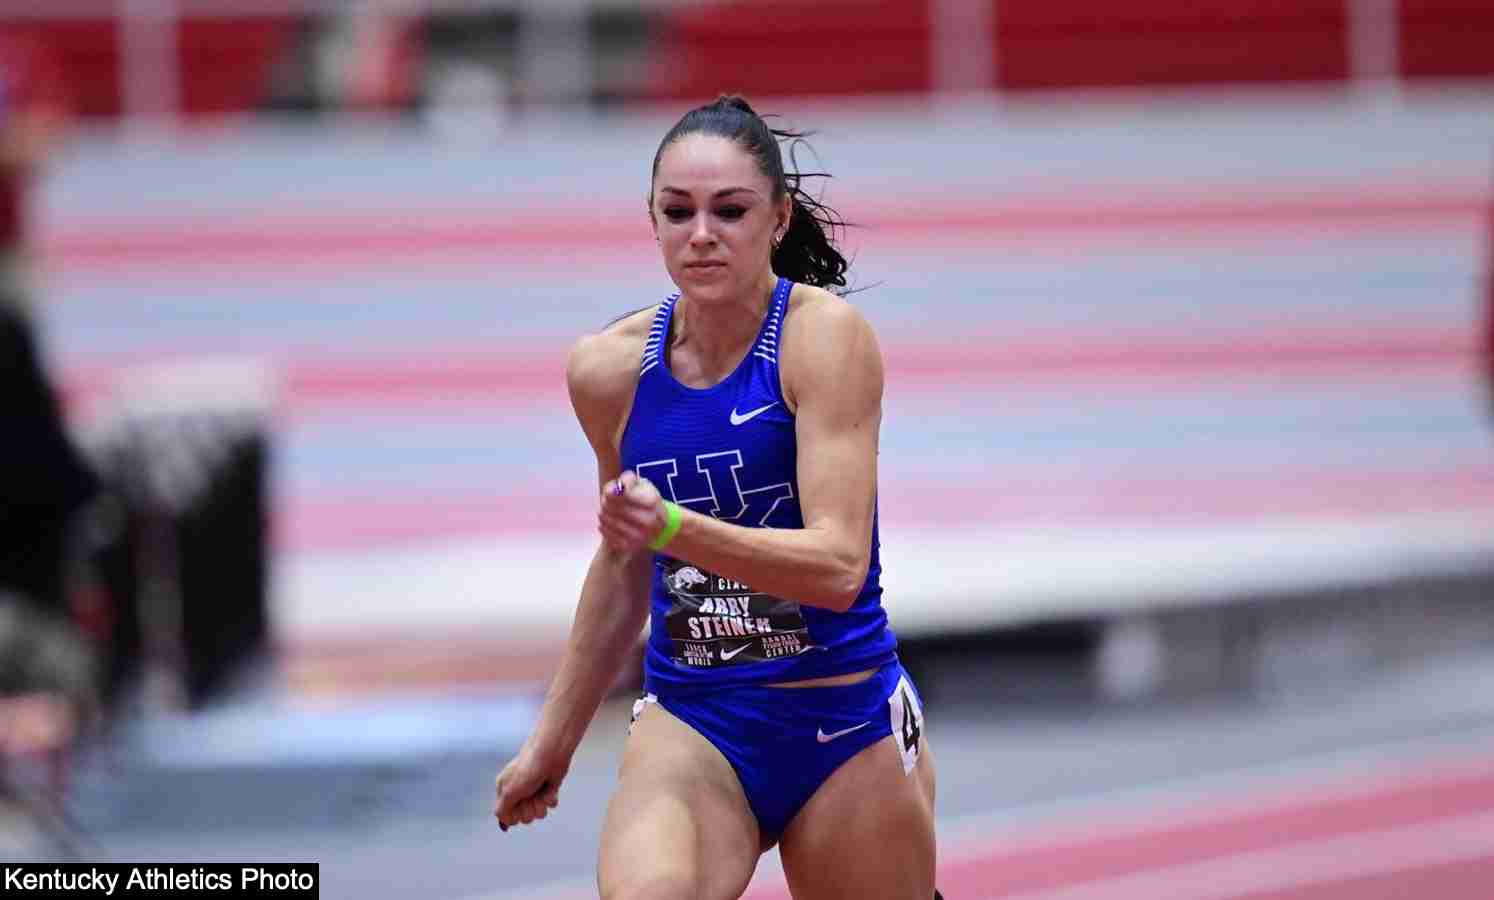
807	253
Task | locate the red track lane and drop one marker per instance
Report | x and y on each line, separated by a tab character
1466	880
502	378
379	234
1000	872
1409	830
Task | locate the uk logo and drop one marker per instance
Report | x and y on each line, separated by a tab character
715	488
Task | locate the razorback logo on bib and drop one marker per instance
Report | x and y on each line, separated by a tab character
715	621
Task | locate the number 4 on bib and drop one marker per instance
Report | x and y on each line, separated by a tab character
907	722
910	724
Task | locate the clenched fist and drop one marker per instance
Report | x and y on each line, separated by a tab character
527	789
632	513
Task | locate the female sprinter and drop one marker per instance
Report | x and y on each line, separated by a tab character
735	429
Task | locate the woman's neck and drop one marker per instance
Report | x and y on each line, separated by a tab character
717	335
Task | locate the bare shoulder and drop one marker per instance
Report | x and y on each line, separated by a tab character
601	372
818	318
599	361
825	339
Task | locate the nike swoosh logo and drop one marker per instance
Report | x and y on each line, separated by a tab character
748	416
824	738
728	654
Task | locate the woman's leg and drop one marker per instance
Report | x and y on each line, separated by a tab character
678	825
868	831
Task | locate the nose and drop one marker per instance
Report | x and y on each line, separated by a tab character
701	234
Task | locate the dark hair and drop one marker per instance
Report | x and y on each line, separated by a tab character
807	252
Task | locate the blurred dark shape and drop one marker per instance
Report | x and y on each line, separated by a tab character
622	42
155	545
44	482
359	58
42	654
183	557
48	703
1039	664
48	671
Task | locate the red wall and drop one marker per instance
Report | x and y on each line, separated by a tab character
87	51
774	47
759	47
225	63
844	47
1083	43
1446	38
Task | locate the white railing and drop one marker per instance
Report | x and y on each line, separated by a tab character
1374	46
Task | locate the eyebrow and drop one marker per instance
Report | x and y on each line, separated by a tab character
721	193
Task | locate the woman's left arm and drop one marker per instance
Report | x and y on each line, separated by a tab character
832	373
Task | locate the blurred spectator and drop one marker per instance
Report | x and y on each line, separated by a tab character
43	479
48	699
47	680
47	669
369	60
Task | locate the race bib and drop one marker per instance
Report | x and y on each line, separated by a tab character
906	717
714	621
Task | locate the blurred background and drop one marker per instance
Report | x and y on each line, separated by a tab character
1187	492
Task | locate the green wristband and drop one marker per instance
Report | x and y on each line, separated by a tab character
672	519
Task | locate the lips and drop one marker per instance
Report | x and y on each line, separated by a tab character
704	265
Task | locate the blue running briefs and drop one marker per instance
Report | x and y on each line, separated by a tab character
786	742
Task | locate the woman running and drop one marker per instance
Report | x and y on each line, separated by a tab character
735	427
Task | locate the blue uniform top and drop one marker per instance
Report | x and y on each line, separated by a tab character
729	451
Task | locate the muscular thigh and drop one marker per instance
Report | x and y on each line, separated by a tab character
868	832
678	824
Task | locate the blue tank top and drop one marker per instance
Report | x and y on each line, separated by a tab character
729	451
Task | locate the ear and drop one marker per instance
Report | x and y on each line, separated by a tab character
785	213
652	221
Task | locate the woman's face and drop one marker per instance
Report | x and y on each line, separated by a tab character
715	217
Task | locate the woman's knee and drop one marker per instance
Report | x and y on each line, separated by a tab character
640	884
661	874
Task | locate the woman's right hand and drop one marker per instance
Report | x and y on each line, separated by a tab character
632	513
528	788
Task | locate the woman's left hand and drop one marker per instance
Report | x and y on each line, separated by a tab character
632	513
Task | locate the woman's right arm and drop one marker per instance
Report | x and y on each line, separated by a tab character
601	375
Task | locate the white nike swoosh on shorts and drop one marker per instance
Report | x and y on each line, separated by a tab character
752	414
824	738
